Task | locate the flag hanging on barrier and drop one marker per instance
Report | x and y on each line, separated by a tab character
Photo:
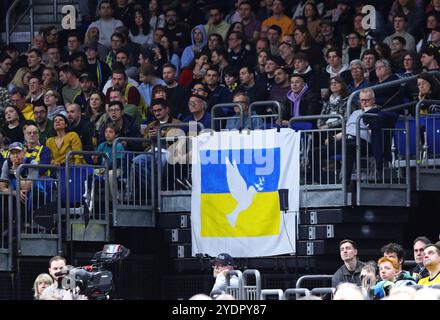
235	206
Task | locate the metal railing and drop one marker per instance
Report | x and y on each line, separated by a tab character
316	155
38	212
87	198
270	294
377	168
134	183
9	30
265	117
427	143
174	167
326	278
384	86
233	290
220	106
6	227
251	291
297	292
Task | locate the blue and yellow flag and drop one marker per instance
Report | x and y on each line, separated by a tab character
235	181
235	200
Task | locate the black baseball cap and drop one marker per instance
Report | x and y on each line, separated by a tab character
224	259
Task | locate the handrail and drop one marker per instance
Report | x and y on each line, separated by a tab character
343	150
18	177
159	150
227	105
382	86
312	277
263	103
10	219
358	155
418	139
9	30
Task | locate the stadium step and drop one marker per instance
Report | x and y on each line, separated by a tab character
370	248
354	215
177	235
352	231
174	220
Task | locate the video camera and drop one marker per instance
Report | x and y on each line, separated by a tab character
94	281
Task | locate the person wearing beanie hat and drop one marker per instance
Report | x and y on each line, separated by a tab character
221	265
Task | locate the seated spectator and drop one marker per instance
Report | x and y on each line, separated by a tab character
281	87
115	94
169	55
369	58
198	106
303	101
95	112
64	141
106	24
431	261
81	125
199	40
128	90
351	269
71	86
51	99
124	122
279	18
20	79
9	169
419	271
429	89
242	99
390	96
87	86
216	24
123	57
310	76
231	78
335	66
239	55
334	103
18	99
45	126
357	70
148	79
395	251
430	59
13	127
353	49
400	24
32	147
256	91
140	30
397	53
217	92
98	69
176	94
111	132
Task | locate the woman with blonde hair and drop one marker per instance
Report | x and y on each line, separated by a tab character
41	282
21	79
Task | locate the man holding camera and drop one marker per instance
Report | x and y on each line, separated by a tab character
56	291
